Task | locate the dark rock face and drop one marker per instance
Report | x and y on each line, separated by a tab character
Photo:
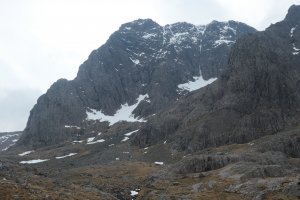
258	94
140	58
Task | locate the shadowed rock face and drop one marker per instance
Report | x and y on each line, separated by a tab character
142	57
257	95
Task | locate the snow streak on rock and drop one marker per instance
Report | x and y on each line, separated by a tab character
295	49
34	161
70	154
97	141
25	153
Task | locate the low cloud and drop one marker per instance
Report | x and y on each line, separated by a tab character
15	108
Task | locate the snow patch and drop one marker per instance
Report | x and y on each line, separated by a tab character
226	28
123	114
178	38
76	127
90	139
97	141
296	50
149	35
130	133
34	161
198	83
127	28
159	163
135	61
70	154
222	40
25	153
292	31
78	141
125	139
133	193
225	37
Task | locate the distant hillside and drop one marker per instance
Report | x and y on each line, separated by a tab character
8	139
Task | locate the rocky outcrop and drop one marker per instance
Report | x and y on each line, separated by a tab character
141	58
258	95
287	142
204	163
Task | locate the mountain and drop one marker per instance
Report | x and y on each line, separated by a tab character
257	95
236	138
140	70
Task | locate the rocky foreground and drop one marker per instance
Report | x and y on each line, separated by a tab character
107	167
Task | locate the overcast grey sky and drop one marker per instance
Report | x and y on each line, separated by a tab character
44	40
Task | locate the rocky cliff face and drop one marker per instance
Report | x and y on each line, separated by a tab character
142	68
258	95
